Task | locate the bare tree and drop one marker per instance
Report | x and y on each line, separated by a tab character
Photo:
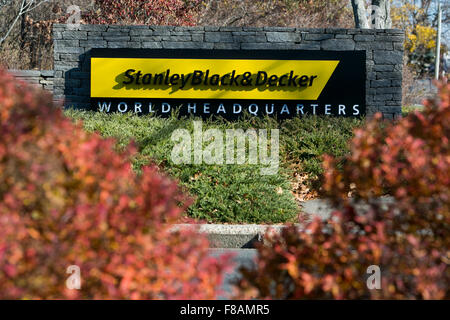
359	11
381	16
24	7
4	3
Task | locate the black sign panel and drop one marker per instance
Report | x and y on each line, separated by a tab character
229	83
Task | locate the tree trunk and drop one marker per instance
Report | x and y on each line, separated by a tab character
359	12
381	14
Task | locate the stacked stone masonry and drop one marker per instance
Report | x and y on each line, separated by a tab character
384	53
41	78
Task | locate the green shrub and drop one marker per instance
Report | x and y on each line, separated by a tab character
223	193
306	140
231	193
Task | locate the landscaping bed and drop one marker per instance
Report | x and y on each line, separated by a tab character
234	193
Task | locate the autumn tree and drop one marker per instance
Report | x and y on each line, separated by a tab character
419	20
18	10
282	13
68	198
26	29
150	12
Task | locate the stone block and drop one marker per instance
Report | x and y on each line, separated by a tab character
249	38
389	75
74	35
187	45
318	36
141	32
177	38
117	44
388	57
338	44
364	37
227	45
151	45
198	37
383	67
380	83
117	39
283	37
218	37
93	44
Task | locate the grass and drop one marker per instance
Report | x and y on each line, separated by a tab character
232	193
408	109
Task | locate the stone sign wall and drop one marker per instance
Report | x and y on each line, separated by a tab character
41	78
384	53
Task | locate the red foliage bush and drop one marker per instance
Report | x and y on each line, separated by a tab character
67	198
408	239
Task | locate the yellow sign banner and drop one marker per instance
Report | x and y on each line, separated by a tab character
176	78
